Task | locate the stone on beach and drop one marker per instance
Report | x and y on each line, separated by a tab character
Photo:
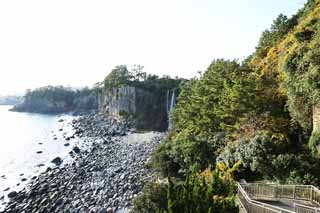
12	194
105	177
58	161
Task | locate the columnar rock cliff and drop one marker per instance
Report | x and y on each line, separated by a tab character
148	109
119	100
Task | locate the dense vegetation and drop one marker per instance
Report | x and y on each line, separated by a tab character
210	191
136	77
58	99
261	114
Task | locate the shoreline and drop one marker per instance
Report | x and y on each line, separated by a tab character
30	152
105	177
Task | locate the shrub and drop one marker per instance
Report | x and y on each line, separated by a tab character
152	198
162	162
210	191
304	35
184	153
265	157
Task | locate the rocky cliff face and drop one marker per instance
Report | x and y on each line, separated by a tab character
118	101
148	109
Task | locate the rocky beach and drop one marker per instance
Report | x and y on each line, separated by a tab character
107	172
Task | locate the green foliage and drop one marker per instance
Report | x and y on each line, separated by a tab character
304	168
280	27
207	109
118	76
136	77
314	142
305	35
267	157
152	198
253	154
210	193
162	160
303	69
215	102
51	93
287	63
185	153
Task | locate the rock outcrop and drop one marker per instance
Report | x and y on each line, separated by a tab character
120	100
149	109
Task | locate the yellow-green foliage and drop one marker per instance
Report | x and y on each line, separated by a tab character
290	69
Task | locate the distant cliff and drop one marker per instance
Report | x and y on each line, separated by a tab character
58	99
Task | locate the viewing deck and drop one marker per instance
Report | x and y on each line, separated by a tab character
274	198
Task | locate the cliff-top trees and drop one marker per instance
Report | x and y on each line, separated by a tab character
57	99
118	76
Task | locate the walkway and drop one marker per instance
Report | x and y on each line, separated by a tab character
274	198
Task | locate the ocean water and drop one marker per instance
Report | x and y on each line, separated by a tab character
22	135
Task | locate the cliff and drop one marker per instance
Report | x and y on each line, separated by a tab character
149	110
119	100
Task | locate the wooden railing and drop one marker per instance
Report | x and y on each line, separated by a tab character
253	206
258	191
304	209
250	194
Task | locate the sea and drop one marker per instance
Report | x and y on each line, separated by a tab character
28	143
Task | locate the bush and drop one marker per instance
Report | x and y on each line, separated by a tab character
184	153
255	155
210	191
264	157
201	194
153	198
305	35
162	162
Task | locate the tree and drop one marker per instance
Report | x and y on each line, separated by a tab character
120	75
216	101
138	74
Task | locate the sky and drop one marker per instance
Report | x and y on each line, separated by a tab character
78	42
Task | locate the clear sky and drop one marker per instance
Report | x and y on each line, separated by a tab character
77	42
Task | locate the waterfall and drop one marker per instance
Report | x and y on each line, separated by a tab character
167	103
170	105
173	100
